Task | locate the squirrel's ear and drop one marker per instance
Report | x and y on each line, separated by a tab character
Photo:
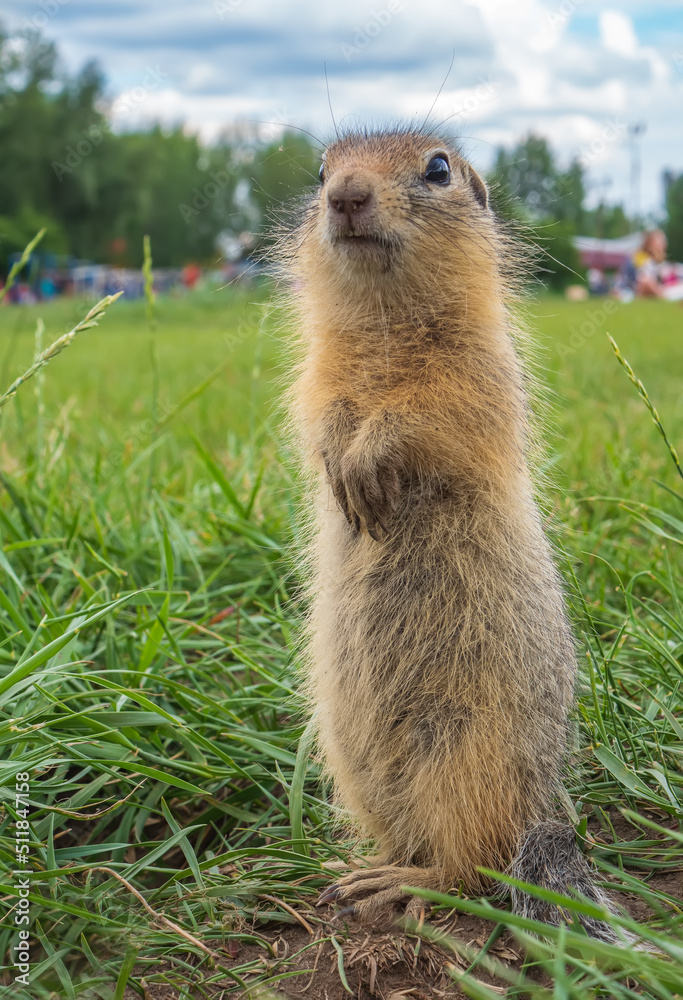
479	188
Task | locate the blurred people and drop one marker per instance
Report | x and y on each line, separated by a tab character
655	276
597	281
191	275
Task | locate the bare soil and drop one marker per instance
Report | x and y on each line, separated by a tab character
382	961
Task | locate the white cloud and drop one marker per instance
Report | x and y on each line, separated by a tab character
564	68
617	33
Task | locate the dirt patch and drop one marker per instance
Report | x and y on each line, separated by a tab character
382	961
378	962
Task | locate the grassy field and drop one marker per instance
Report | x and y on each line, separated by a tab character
179	829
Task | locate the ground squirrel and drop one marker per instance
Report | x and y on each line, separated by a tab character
441	663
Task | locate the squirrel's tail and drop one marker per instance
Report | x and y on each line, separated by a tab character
550	858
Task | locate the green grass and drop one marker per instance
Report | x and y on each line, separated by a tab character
149	606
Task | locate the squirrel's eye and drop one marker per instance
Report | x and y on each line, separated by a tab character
321	173
438	171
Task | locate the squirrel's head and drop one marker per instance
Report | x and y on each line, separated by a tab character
391	201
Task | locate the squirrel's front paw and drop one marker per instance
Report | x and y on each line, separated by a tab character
368	493
334	477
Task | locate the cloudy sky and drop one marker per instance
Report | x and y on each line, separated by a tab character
578	71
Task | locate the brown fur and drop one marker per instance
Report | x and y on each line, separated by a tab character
441	665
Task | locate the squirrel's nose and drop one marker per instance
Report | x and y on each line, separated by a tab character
350	198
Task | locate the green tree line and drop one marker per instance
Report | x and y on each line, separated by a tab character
97	192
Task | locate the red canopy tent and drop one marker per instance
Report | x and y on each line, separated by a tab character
608	255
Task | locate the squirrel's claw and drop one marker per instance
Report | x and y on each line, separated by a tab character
328	895
367	492
372	496
368	892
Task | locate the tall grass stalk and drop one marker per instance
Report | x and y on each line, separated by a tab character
40	401
642	392
91	319
150	306
18	265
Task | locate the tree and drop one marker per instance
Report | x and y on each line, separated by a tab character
674	221
29	132
281	172
544	203
154	182
529	175
607	222
98	193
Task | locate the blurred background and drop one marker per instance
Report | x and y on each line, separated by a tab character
152	568
188	121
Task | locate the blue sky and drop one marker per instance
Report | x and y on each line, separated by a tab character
578	71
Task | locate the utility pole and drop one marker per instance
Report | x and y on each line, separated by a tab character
635	131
